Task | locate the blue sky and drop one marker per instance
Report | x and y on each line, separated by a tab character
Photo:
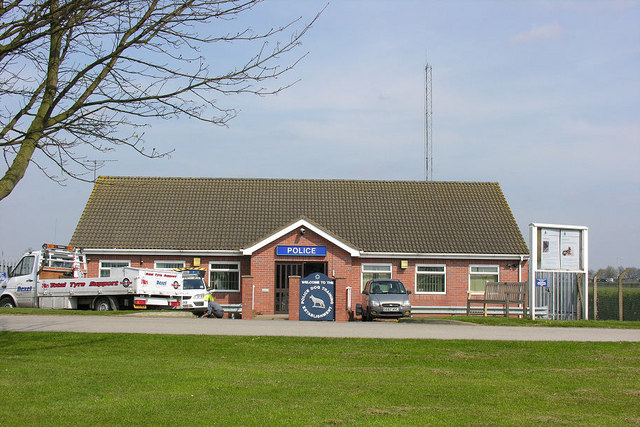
542	97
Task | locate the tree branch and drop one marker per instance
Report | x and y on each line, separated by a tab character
83	74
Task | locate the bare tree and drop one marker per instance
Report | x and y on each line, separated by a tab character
87	74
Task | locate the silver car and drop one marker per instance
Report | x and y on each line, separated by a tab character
385	298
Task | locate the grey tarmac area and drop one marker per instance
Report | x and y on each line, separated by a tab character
181	325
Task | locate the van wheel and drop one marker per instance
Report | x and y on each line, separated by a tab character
102	304
7	303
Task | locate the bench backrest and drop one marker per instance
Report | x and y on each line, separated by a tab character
516	291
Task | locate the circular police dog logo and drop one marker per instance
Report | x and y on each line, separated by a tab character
317	297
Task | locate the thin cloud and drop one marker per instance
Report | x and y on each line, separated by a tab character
539	33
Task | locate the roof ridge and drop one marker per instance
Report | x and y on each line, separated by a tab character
186	178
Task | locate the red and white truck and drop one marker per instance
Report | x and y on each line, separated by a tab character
55	277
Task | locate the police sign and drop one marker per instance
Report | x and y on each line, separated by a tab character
301	250
317	300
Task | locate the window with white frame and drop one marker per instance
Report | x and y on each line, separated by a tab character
431	279
375	271
168	265
479	275
106	266
224	276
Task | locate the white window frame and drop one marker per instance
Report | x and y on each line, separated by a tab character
211	269
119	261
438	273
363	270
484	273
155	264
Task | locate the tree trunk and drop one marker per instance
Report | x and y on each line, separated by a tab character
20	163
18	168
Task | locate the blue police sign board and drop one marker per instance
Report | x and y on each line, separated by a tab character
541	282
317	297
301	250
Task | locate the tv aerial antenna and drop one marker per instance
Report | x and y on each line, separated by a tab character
98	164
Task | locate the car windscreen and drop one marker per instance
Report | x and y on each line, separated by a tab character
192	284
387	288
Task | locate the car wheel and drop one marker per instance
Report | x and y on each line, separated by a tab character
7	303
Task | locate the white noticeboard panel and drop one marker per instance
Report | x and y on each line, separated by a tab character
550	253
570	255
560	249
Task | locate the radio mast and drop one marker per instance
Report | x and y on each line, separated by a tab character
427	126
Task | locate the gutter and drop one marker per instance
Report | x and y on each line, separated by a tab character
361	254
517	257
113	251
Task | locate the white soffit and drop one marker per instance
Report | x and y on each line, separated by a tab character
301	223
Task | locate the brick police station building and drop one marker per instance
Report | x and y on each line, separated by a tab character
257	238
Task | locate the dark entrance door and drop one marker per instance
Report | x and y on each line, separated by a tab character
286	269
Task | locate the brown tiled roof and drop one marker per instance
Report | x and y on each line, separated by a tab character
230	214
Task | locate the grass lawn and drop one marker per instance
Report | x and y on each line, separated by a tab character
128	379
512	321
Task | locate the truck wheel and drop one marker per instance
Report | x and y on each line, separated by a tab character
102	304
7	303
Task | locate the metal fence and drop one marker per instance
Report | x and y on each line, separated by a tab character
561	298
6	265
607	306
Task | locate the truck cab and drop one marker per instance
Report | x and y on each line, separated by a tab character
52	262
19	289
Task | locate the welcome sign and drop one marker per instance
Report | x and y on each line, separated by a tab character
317	301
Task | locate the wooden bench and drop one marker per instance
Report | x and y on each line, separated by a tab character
503	293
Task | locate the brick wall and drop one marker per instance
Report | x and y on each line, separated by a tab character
258	273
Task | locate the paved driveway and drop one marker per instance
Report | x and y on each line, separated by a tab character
191	325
